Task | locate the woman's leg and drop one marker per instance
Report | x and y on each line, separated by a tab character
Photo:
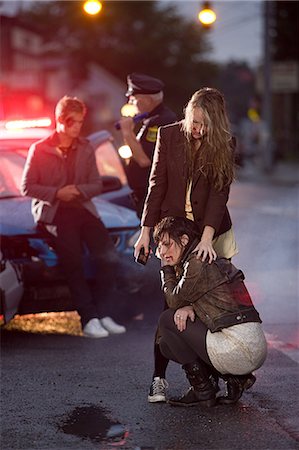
160	361
183	346
189	349
157	390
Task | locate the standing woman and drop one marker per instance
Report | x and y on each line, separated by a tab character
192	170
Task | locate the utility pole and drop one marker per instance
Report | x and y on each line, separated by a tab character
267	94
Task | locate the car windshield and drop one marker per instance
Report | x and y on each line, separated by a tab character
11	169
108	162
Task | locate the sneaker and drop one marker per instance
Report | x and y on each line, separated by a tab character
112	327
157	390
94	329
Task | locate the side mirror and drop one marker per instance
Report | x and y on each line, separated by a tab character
110	184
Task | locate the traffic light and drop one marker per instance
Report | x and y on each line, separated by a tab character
92	7
206	15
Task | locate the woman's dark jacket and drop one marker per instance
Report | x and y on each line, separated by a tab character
168	182
216	291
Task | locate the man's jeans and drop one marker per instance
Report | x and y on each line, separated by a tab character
75	230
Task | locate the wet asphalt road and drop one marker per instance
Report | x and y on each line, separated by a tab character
50	383
68	392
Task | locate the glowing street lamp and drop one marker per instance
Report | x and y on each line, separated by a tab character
207	16
92	7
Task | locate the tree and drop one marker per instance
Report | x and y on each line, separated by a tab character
129	36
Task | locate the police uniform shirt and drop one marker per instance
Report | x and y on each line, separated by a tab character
147	136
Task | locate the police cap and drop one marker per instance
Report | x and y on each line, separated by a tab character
138	83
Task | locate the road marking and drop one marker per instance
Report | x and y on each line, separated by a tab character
289	349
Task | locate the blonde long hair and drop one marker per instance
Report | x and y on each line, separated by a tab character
215	158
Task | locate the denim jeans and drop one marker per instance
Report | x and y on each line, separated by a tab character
76	230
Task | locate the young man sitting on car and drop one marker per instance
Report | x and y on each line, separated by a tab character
61	176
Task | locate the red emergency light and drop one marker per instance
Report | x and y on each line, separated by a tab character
43	122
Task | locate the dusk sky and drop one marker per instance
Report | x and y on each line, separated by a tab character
237	33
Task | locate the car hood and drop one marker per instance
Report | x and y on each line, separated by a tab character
115	216
16	217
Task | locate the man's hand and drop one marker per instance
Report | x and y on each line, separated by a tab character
126	125
181	315
68	193
127	129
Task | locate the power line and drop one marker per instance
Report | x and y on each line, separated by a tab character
231	8
232	15
230	28
235	19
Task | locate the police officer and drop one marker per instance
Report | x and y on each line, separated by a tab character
146	93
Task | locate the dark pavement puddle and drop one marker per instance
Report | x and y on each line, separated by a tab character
92	422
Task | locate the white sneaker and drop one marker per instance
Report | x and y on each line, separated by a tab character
94	329
111	326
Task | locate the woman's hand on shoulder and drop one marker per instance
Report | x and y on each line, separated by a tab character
205	247
205	250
